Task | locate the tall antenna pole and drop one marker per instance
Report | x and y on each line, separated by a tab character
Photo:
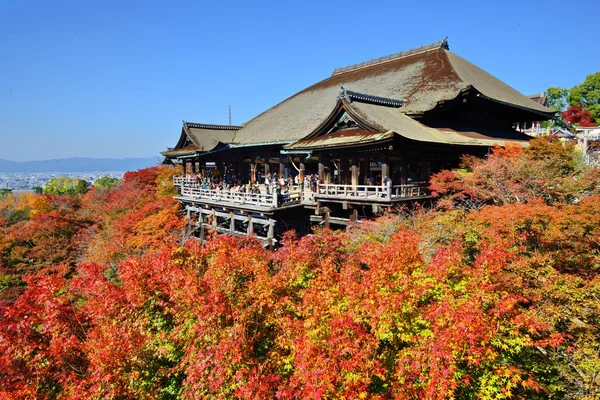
230	114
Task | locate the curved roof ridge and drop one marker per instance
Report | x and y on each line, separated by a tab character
197	125
440	44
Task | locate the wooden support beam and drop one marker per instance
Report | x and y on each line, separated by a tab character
252	171
267	166
184	163
231	223
302	174
354	171
354	215
343	172
385	166
425	171
250	230
364	170
281	166
321	168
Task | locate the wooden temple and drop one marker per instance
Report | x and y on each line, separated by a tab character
347	148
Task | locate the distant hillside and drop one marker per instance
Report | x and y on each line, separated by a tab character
78	164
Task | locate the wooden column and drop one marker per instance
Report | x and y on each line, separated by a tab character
385	166
425	172
252	171
404	172
343	172
327	172
364	170
194	166
281	166
354	171
321	169
267	166
184	163
239	168
302	173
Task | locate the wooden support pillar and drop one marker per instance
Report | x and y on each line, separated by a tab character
364	170
281	166
220	168
231	223
354	171
302	173
404	172
252	171
385	166
214	220
267	166
322	162
250	230
354	216
184	163
326	220
271	233
343	172
425	172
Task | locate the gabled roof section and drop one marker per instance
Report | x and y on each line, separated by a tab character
376	123
422	77
199	138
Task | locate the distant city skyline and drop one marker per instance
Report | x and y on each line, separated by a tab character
115	79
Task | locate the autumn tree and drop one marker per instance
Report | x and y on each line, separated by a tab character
62	186
106	182
548	169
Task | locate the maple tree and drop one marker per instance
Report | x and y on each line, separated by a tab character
577	115
548	169
496	301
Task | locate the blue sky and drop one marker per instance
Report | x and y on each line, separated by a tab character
115	78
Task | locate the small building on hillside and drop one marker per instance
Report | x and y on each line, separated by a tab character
361	141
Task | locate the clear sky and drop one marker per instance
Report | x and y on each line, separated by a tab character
116	78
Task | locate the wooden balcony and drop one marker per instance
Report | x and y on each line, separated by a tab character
372	194
191	191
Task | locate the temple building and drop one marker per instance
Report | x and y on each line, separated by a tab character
348	147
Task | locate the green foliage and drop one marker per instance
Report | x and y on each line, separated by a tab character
4	193
557	100
106	182
587	95
38	189
66	186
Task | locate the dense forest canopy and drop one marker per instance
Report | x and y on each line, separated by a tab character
492	294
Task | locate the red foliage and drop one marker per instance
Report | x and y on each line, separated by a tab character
577	115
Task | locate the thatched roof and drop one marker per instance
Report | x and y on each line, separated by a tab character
421	77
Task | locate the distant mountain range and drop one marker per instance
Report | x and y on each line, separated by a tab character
78	164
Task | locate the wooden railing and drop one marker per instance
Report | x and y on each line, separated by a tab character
229	196
189	187
187	180
367	192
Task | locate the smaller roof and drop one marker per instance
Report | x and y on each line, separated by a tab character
375	123
184	151
200	138
342	138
